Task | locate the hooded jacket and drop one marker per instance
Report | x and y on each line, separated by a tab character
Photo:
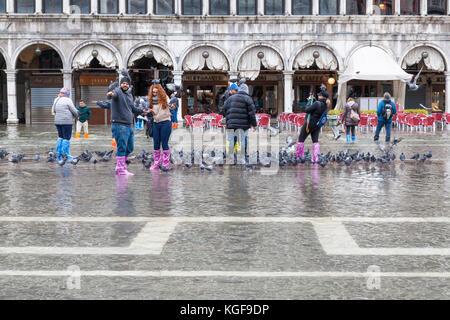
352	105
380	111
239	110
85	114
122	107
315	111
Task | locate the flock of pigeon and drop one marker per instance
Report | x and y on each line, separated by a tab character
208	160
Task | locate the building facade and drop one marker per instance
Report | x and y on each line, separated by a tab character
286	48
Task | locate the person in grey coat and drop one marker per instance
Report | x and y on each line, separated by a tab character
65	114
351	123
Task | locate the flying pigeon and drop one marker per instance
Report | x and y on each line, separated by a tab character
413	85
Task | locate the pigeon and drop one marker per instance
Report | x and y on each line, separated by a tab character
402	157
396	141
424	157
107	157
348	161
393	157
415	157
188	165
37	157
3	154
100	154
74	161
16	158
63	160
113	85
94	161
429	155
413	85
146	163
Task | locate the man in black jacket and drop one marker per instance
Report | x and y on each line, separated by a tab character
239	112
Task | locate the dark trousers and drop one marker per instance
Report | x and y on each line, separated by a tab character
314	134
380	126
351	129
124	136
161	134
64	131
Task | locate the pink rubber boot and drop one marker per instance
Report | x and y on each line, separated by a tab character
157	159
316	152
300	152
166	159
121	167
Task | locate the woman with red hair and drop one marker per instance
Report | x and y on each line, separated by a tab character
162	125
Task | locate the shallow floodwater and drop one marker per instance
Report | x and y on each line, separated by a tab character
403	189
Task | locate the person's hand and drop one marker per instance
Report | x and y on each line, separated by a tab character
110	94
94	101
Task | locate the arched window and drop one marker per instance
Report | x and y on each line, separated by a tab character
84	6
108	6
24	6
328	7
274	7
355	7
301	7
2	6
164	7
384	7
438	7
247	7
410	7
52	6
192	7
137	6
219	7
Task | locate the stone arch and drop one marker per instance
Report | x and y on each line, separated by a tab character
319	45
432	49
114	52
203	46
367	44
149	45
22	47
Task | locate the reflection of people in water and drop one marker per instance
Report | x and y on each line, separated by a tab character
160	199
125	208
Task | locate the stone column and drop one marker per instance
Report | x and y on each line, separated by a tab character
288	7
369	7
150	9
12	98
66	6
397	7
177	8
38	6
67	80
233	7
448	7
315	7
10	6
205	8
178	79
122	7
261	8
94	6
233	74
447	92
423	7
342	7
288	82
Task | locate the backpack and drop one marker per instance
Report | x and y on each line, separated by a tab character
387	111
323	118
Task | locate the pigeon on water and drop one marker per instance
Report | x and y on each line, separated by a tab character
188	165
429	154
424	157
63	160
3	154
100	154
37	157
94	161
396	141
416	157
402	157
348	161
146	163
107	157
75	161
16	158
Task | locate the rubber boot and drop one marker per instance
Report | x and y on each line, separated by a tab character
348	139
166	159
121	167
353	139
113	143
316	152
58	148
86	135
157	159
77	135
300	151
66	149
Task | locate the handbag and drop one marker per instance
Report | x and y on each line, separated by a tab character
354	116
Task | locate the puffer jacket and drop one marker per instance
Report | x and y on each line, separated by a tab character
239	111
380	111
347	112
65	111
315	111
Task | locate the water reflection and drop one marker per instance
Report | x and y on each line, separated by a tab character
160	198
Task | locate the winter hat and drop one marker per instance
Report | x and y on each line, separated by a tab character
233	86
125	79
323	94
244	88
65	92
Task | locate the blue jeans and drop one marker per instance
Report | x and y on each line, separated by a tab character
380	126
161	134
64	131
124	136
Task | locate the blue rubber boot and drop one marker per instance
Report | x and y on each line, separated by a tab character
348	139
353	139
58	150
66	148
